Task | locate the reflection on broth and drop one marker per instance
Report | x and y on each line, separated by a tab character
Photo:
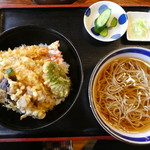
122	94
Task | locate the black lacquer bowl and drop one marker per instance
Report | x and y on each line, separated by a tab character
30	35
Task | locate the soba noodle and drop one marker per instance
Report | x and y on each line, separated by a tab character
122	94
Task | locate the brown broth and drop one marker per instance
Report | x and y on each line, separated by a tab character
129	92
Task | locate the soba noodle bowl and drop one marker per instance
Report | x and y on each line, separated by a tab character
122	94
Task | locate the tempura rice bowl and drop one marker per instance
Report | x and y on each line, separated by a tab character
141	137
34	35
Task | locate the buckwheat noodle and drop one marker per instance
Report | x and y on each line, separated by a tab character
122	94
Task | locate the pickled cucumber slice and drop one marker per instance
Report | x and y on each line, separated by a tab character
114	22
101	20
104	32
56	79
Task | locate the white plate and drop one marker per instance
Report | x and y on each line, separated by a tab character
138	26
117	11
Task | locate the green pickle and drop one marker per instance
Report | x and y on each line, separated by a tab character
101	20
114	22
104	32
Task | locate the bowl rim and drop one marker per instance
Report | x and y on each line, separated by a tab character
30	26
102	123
95	37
